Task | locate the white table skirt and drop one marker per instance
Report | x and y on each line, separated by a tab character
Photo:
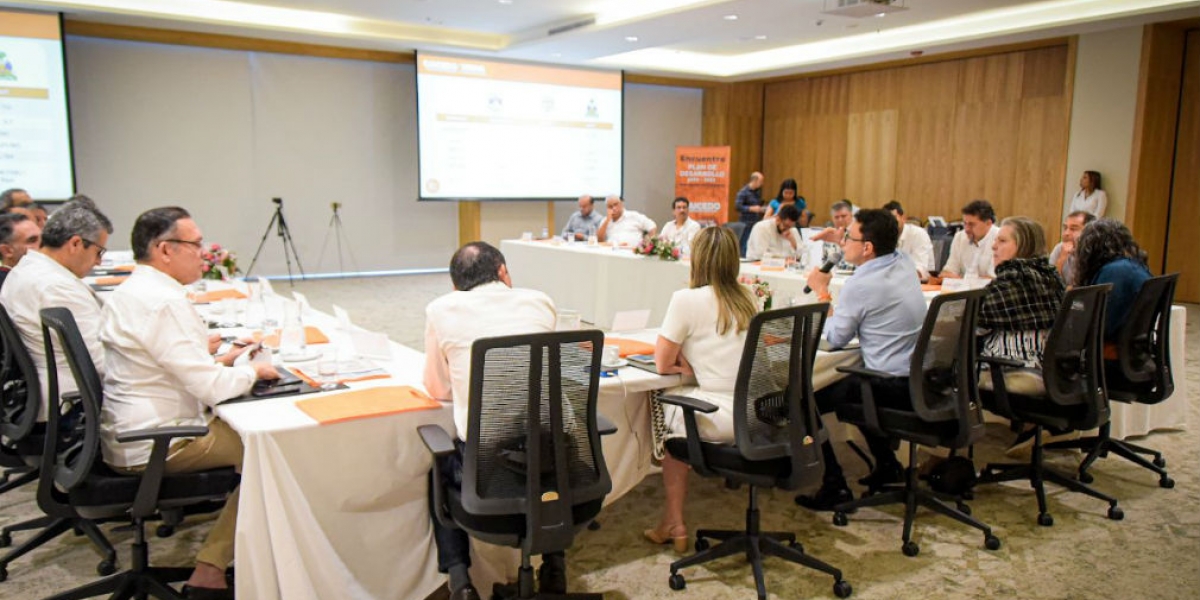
1131	420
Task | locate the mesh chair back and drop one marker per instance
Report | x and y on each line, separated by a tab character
1072	367
1144	345
774	410
942	381
21	391
532	443
73	422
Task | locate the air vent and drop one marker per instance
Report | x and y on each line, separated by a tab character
571	26
860	9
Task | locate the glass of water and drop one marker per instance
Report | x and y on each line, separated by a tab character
327	371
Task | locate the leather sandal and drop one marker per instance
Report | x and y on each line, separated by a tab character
679	542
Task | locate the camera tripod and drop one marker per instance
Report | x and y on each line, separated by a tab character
285	234
335	227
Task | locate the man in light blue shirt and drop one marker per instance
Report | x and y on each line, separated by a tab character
584	222
882	305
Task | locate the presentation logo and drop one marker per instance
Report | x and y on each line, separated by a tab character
6	68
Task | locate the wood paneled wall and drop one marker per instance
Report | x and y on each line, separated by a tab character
733	116
933	136
1185	190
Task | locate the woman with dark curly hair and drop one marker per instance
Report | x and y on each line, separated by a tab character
1021	302
1107	253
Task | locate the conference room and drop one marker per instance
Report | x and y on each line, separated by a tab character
327	147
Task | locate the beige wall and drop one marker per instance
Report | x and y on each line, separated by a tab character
1103	111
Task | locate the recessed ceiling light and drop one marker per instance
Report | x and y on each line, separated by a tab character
881	15
730	17
556	55
631	38
760	37
505	1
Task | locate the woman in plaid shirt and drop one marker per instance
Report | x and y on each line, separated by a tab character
1022	300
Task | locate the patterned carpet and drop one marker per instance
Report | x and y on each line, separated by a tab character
1153	553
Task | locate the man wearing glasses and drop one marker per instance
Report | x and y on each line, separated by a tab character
72	243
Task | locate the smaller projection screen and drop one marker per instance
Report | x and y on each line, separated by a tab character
35	131
490	130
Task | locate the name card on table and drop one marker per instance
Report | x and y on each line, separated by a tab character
963	284
370	344
630	320
343	318
773	262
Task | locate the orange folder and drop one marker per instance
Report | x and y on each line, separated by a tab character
310	380
123	268
217	296
363	404
312	335
925	287
629	347
111	280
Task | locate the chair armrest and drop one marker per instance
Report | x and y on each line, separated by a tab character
999	386
436	440
688	403
999	361
865	372
604	426
161	433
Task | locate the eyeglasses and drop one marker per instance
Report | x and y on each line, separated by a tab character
89	243
854	239
199	244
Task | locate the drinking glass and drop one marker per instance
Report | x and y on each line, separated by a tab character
327	371
568	320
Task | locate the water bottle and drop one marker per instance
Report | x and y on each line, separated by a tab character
291	338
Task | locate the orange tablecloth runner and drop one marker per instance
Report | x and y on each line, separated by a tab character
312	335
310	380
362	404
217	295
116	280
925	287
629	347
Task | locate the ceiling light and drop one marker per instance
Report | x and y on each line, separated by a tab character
730	17
631	38
760	37
881	15
505	1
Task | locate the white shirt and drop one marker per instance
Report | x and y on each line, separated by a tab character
159	373
765	237
691	322
629	229
963	254
915	242
38	282
454	321
681	236
1095	203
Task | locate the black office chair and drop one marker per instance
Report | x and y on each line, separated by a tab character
1141	374
1067	394
776	439
945	411
78	482
20	402
533	473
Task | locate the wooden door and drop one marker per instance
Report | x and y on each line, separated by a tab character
1181	253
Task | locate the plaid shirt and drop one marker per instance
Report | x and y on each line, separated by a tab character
1025	295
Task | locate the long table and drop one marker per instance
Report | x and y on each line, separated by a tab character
598	281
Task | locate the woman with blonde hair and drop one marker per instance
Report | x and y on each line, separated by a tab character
703	334
1022	301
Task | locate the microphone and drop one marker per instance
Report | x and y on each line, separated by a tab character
825	268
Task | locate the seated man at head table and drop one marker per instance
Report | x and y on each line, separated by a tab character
161	372
18	234
483	304
914	240
682	228
776	235
971	249
881	304
842	214
624	227
585	221
72	244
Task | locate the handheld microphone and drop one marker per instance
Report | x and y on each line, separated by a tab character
825	268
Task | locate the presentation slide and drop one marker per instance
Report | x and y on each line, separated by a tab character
35	140
491	130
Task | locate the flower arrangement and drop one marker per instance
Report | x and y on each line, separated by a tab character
219	263
761	290
664	249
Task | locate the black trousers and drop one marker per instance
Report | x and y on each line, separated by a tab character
892	393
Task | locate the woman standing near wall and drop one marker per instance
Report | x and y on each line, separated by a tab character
1091	196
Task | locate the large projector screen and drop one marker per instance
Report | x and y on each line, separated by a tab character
35	131
492	130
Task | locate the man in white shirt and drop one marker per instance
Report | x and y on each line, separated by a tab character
681	230
624	227
841	216
1063	255
161	373
484	304
18	235
72	244
971	250
777	235
914	240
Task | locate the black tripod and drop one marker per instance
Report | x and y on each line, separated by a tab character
335	227
285	234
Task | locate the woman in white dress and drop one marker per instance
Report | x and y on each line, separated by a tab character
703	334
1091	196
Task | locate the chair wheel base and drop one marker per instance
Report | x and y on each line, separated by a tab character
839	519
702	544
797	546
1166	482
991	542
1086	478
910	548
1160	462
1045	520
677	582
105	568
842	589
963	508
3	574
5	540
164	531
1115	513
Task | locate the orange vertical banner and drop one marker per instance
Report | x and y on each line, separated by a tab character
702	176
